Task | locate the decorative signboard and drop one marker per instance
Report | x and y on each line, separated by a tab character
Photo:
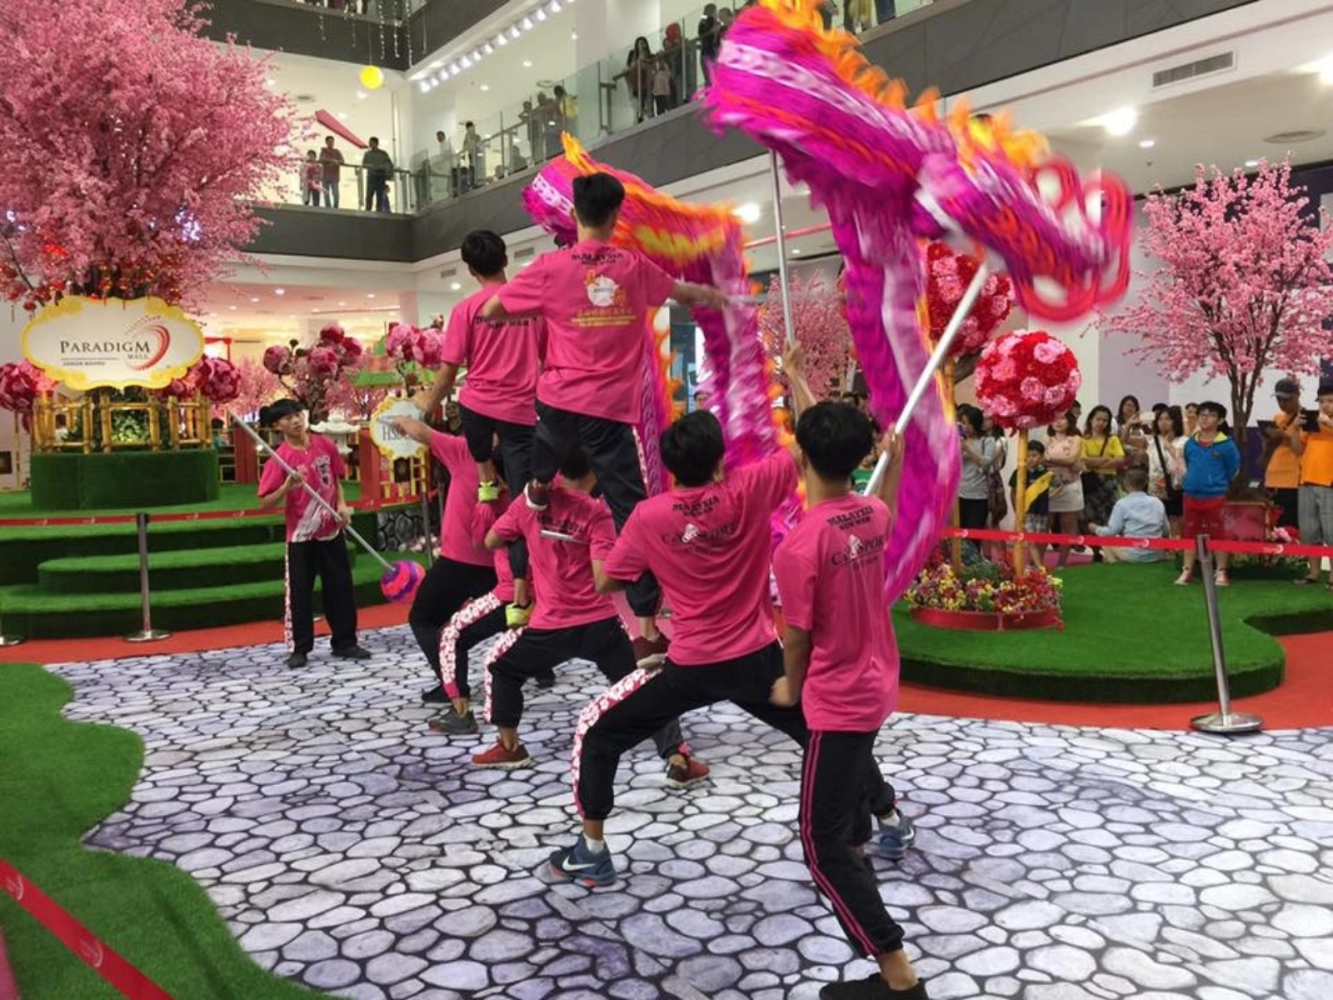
392	443
92	343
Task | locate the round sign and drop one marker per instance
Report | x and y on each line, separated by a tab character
392	443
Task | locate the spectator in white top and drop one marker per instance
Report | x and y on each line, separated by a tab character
1135	515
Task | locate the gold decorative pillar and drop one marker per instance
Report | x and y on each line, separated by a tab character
1021	500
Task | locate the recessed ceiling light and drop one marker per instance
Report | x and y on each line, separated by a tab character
270	82
342	303
748	213
371	295
527	64
795	249
454	286
425	86
232	308
1147	143
254	298
279	291
342	116
1326	75
1251	163
361	95
574	35
1121	121
485	87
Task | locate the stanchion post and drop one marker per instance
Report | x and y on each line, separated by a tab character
1223	722
8	640
147	633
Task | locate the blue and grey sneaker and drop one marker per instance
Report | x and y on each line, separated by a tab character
580	865
895	840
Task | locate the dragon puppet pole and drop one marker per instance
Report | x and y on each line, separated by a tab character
941	352
264	446
789	325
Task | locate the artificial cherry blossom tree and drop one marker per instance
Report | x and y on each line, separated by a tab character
132	146
1243	288
821	329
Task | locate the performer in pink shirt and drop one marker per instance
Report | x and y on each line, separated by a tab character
709	542
500	394
596	300
567	540
841	665
464	569
315	543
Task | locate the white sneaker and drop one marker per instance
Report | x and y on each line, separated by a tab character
1220	579
1185	579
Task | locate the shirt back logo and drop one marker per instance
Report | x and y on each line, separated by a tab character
690	533
603	292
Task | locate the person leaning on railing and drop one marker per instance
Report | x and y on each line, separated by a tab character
379	171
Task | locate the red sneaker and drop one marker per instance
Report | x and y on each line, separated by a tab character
500	756
687	774
650	652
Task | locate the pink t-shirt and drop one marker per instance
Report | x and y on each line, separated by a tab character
830	575
458	538
322	467
483	520
596	300
709	548
501	359
562	571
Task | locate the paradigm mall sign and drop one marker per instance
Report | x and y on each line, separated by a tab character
92	343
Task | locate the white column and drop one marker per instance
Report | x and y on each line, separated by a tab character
12	321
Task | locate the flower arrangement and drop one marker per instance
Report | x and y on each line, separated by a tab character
948	273
308	373
1027	379
216	379
820	319
410	346
256	387
986	587
19	384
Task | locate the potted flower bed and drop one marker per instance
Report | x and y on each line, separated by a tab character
985	598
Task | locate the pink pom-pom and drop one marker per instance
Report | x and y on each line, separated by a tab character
400	581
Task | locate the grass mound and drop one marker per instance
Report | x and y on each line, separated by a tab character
58	779
1129	637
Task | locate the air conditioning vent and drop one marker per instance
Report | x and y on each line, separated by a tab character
1189	71
448	272
305	98
1293	137
525	253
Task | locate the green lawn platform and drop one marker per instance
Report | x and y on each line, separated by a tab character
171	570
57	780
1130	637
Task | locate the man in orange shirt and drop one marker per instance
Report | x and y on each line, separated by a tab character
1316	495
1282	466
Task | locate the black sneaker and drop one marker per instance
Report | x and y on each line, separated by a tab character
452	724
434	695
296	661
546	681
352	653
872	988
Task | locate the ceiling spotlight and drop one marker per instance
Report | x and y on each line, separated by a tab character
514	32
487	49
749	213
455	286
485	87
540	15
254	298
466	62
1326	75
279	291
342	303
270	82
574	35
232	308
1147	143
1121	121
526	24
554	7
501	39
1251	163
476	55
361	95
455	69
796	250
527	64
371	295
425	86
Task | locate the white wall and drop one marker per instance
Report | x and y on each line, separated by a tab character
12	321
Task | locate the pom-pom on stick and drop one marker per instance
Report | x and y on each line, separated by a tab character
400	581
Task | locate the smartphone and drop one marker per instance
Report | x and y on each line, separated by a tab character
1310	421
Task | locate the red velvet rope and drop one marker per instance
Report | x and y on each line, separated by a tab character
1159	544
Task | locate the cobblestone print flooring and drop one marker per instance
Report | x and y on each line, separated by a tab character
353	850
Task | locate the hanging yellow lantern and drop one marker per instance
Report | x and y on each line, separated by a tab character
372	78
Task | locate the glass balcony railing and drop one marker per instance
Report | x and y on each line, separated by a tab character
649	77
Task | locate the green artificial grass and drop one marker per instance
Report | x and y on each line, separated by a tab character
74	481
1129	637
231	496
34	613
170	570
57	780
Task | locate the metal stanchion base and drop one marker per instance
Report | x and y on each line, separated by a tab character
150	635
1227	724
10	640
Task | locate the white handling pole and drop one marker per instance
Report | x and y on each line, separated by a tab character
932	366
789	325
314	495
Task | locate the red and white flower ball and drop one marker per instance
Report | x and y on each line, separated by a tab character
1027	379
948	273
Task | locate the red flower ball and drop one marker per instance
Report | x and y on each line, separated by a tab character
948	273
1027	379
